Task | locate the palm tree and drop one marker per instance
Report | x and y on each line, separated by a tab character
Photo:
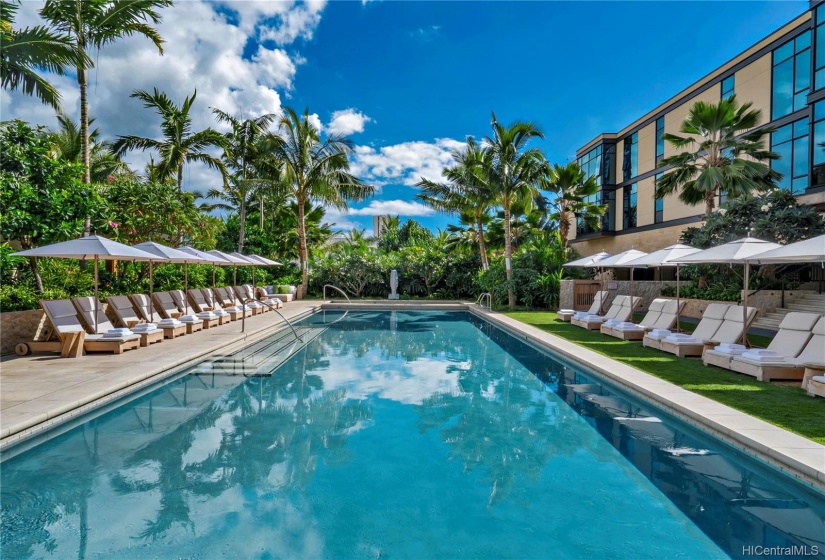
68	145
179	145
572	188
241	150
513	173
313	170
25	50
94	24
468	189
716	161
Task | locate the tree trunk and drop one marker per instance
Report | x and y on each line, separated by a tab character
36	272
564	228
302	235
482	246
261	212
242	228
84	142
508	249
710	203
180	178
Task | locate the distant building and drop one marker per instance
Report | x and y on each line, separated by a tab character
379	226
783	75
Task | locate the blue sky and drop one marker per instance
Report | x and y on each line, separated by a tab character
408	81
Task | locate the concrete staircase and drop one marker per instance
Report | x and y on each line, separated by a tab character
807	303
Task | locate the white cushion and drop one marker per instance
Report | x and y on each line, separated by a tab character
659	334
762	355
730	349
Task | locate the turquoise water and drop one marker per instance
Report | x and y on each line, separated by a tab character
395	435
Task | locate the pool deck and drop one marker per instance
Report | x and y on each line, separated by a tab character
41	391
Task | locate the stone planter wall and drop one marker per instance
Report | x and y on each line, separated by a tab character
20	326
769	301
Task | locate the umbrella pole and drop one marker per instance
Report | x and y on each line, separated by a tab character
151	292
678	307
97	302
745	305
234	276
213	276
631	283
185	287
601	299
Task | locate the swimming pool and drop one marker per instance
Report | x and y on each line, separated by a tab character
395	434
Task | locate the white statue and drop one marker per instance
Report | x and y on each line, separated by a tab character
394	284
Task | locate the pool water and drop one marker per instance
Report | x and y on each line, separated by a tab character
397	435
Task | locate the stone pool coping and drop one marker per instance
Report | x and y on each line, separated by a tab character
39	393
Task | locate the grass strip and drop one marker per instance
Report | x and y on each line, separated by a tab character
786	406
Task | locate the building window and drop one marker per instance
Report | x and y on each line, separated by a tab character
791	76
591	164
819	144
819	75
582	227
791	143
631	157
658	204
728	85
629	207
609	165
660	142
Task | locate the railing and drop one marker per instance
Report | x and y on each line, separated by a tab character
244	301
486	296
337	289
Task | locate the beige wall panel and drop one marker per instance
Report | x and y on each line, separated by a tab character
647	148
618	221
647	241
619	160
675	118
675	208
753	83
644	202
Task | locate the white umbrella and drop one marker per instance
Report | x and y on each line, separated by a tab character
93	247
667	257
199	256
264	260
590	262
229	259
809	250
623	260
250	262
742	251
163	254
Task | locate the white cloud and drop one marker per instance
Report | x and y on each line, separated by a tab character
204	50
346	122
404	163
392	208
315	121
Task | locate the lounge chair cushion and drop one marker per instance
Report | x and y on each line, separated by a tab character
86	309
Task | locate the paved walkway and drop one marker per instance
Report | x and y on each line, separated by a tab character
36	389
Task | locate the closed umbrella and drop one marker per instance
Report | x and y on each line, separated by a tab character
199	257
590	262
742	251
93	247
667	257
163	254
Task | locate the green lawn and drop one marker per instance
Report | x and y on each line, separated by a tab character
788	407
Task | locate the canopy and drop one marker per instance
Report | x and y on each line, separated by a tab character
89	248
665	257
266	261
229	259
244	260
589	262
738	251
809	250
624	259
165	254
202	256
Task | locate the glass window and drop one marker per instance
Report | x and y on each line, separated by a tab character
819	77
629	207
631	157
609	165
660	142
791	76
658	205
728	85
591	163
790	142
818	144
583	227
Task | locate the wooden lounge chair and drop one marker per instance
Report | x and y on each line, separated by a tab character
728	331
800	341
661	314
620	311
226	297
567	314
171	328
212	302
85	307
711	319
166	305
244	294
127	317
201	309
180	300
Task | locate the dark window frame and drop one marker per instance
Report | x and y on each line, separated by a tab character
795	53
729	89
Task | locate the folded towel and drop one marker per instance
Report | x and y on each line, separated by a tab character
190	319
220	312
628	326
206	315
233	309
818	378
565	311
611	322
680	338
763	356
169	322
144	328
730	349
659	334
117	333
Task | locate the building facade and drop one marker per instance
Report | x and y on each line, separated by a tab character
782	75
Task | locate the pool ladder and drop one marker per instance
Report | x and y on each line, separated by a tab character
486	296
273	308
335	288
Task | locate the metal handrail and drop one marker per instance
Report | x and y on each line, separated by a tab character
335	288
486	296
244	301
